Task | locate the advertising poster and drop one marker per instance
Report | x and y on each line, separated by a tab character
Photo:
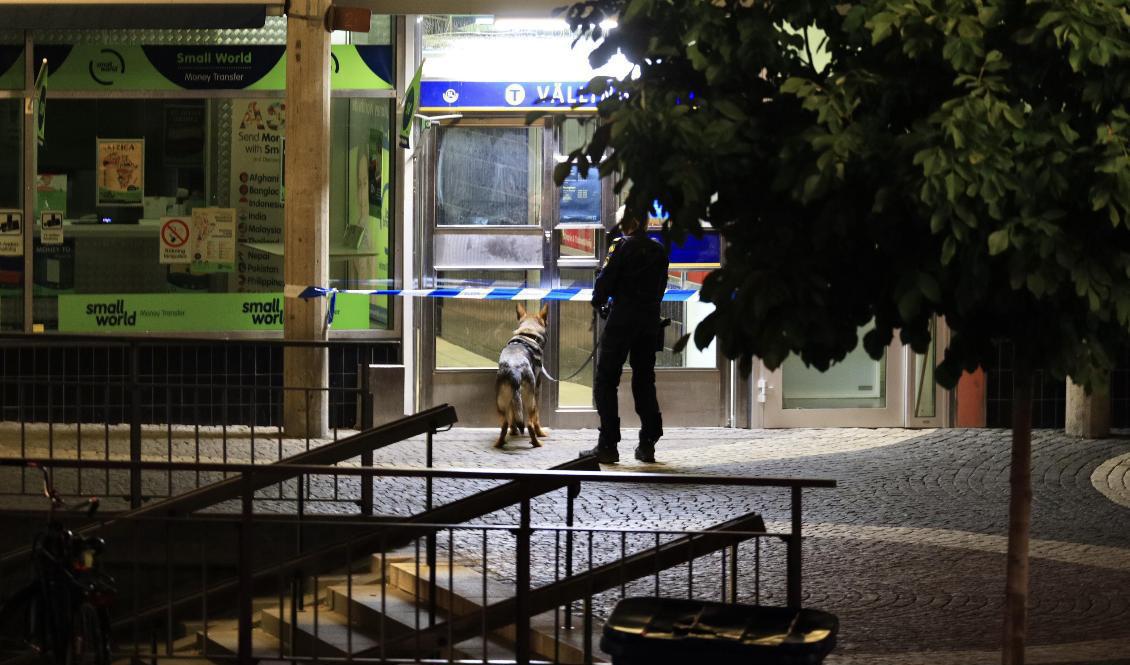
11	238
193	312
206	236
50	193
120	166
255	192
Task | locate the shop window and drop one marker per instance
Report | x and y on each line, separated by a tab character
856	382
470	333
489	176
119	170
685	317
361	203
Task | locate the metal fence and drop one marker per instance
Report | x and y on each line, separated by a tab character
187	400
529	585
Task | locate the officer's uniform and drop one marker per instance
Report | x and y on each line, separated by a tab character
634	277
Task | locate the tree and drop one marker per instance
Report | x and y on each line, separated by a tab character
888	161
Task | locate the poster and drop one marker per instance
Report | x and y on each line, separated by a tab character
206	236
11	238
256	192
120	166
50	193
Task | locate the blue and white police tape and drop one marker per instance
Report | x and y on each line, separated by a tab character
479	293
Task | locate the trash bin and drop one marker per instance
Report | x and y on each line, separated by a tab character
646	631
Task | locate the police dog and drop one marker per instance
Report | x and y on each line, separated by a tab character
519	377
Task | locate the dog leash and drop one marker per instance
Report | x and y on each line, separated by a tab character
579	369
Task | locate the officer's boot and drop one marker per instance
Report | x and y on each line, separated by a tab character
605	450
645	451
649	434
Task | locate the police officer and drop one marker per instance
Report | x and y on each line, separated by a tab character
627	292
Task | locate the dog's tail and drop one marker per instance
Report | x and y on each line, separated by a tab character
508	396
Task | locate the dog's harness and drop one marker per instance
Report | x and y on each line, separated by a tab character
532	341
535	343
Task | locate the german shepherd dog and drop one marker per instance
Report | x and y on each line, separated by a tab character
519	377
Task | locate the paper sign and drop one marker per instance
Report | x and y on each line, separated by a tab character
208	236
51	228
121	172
11	239
213	235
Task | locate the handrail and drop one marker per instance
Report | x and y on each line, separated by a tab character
292	470
574	587
385	535
425	421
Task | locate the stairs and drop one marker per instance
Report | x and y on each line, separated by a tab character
388	604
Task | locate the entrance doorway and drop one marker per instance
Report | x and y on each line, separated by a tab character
493	218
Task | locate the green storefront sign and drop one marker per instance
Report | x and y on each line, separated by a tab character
193	312
98	67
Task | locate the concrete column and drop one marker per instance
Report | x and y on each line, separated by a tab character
1088	416
306	236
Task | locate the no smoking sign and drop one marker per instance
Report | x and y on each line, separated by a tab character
175	233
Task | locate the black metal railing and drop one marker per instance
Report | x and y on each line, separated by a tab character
247	586
178	399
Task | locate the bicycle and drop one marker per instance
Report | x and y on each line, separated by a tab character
64	611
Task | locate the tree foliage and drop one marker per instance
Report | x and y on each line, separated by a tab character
885	160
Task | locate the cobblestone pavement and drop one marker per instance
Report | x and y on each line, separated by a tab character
908	550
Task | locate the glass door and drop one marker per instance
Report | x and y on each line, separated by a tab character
484	206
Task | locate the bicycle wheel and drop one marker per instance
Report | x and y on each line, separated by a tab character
90	642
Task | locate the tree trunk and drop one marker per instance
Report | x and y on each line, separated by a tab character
1019	519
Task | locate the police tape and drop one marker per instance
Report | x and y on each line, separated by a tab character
478	293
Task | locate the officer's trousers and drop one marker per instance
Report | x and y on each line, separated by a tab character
637	345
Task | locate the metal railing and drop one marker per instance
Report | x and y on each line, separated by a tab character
172	399
253	586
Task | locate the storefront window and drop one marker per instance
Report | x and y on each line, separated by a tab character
173	205
489	176
685	317
856	382
361	228
470	333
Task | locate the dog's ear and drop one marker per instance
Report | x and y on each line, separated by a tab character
521	310
544	313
